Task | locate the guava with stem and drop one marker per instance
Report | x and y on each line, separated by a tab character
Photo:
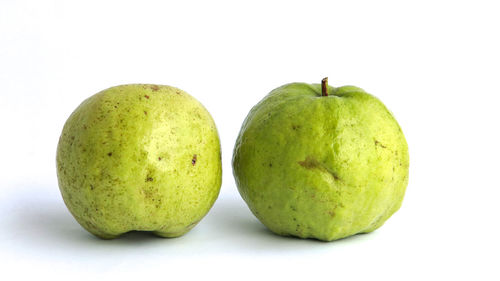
314	161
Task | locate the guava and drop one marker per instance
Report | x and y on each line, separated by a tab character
139	157
314	161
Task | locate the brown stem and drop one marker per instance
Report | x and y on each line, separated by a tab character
324	87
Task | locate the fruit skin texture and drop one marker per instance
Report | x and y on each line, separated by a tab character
321	167
139	157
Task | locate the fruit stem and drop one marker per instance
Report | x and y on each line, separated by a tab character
324	87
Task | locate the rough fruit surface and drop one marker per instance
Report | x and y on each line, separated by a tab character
321	167
139	157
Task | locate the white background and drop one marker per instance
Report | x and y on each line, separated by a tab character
435	64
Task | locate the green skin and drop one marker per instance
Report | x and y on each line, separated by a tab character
139	157
323	167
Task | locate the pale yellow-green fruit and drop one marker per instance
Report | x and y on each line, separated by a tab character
139	157
323	167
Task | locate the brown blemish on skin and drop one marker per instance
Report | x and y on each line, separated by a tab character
110	153
159	158
145	113
331	213
193	161
311	163
177	92
154	88
148	193
379	144
149	179
146	96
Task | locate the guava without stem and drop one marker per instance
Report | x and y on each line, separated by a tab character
139	157
314	161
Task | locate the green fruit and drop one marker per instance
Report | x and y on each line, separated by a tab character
139	157
321	166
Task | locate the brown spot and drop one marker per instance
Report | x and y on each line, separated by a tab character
147	192
145	112
146	96
159	158
311	163
379	144
295	127
110	153
177	92
154	88
149	179
91	187
193	161
331	213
